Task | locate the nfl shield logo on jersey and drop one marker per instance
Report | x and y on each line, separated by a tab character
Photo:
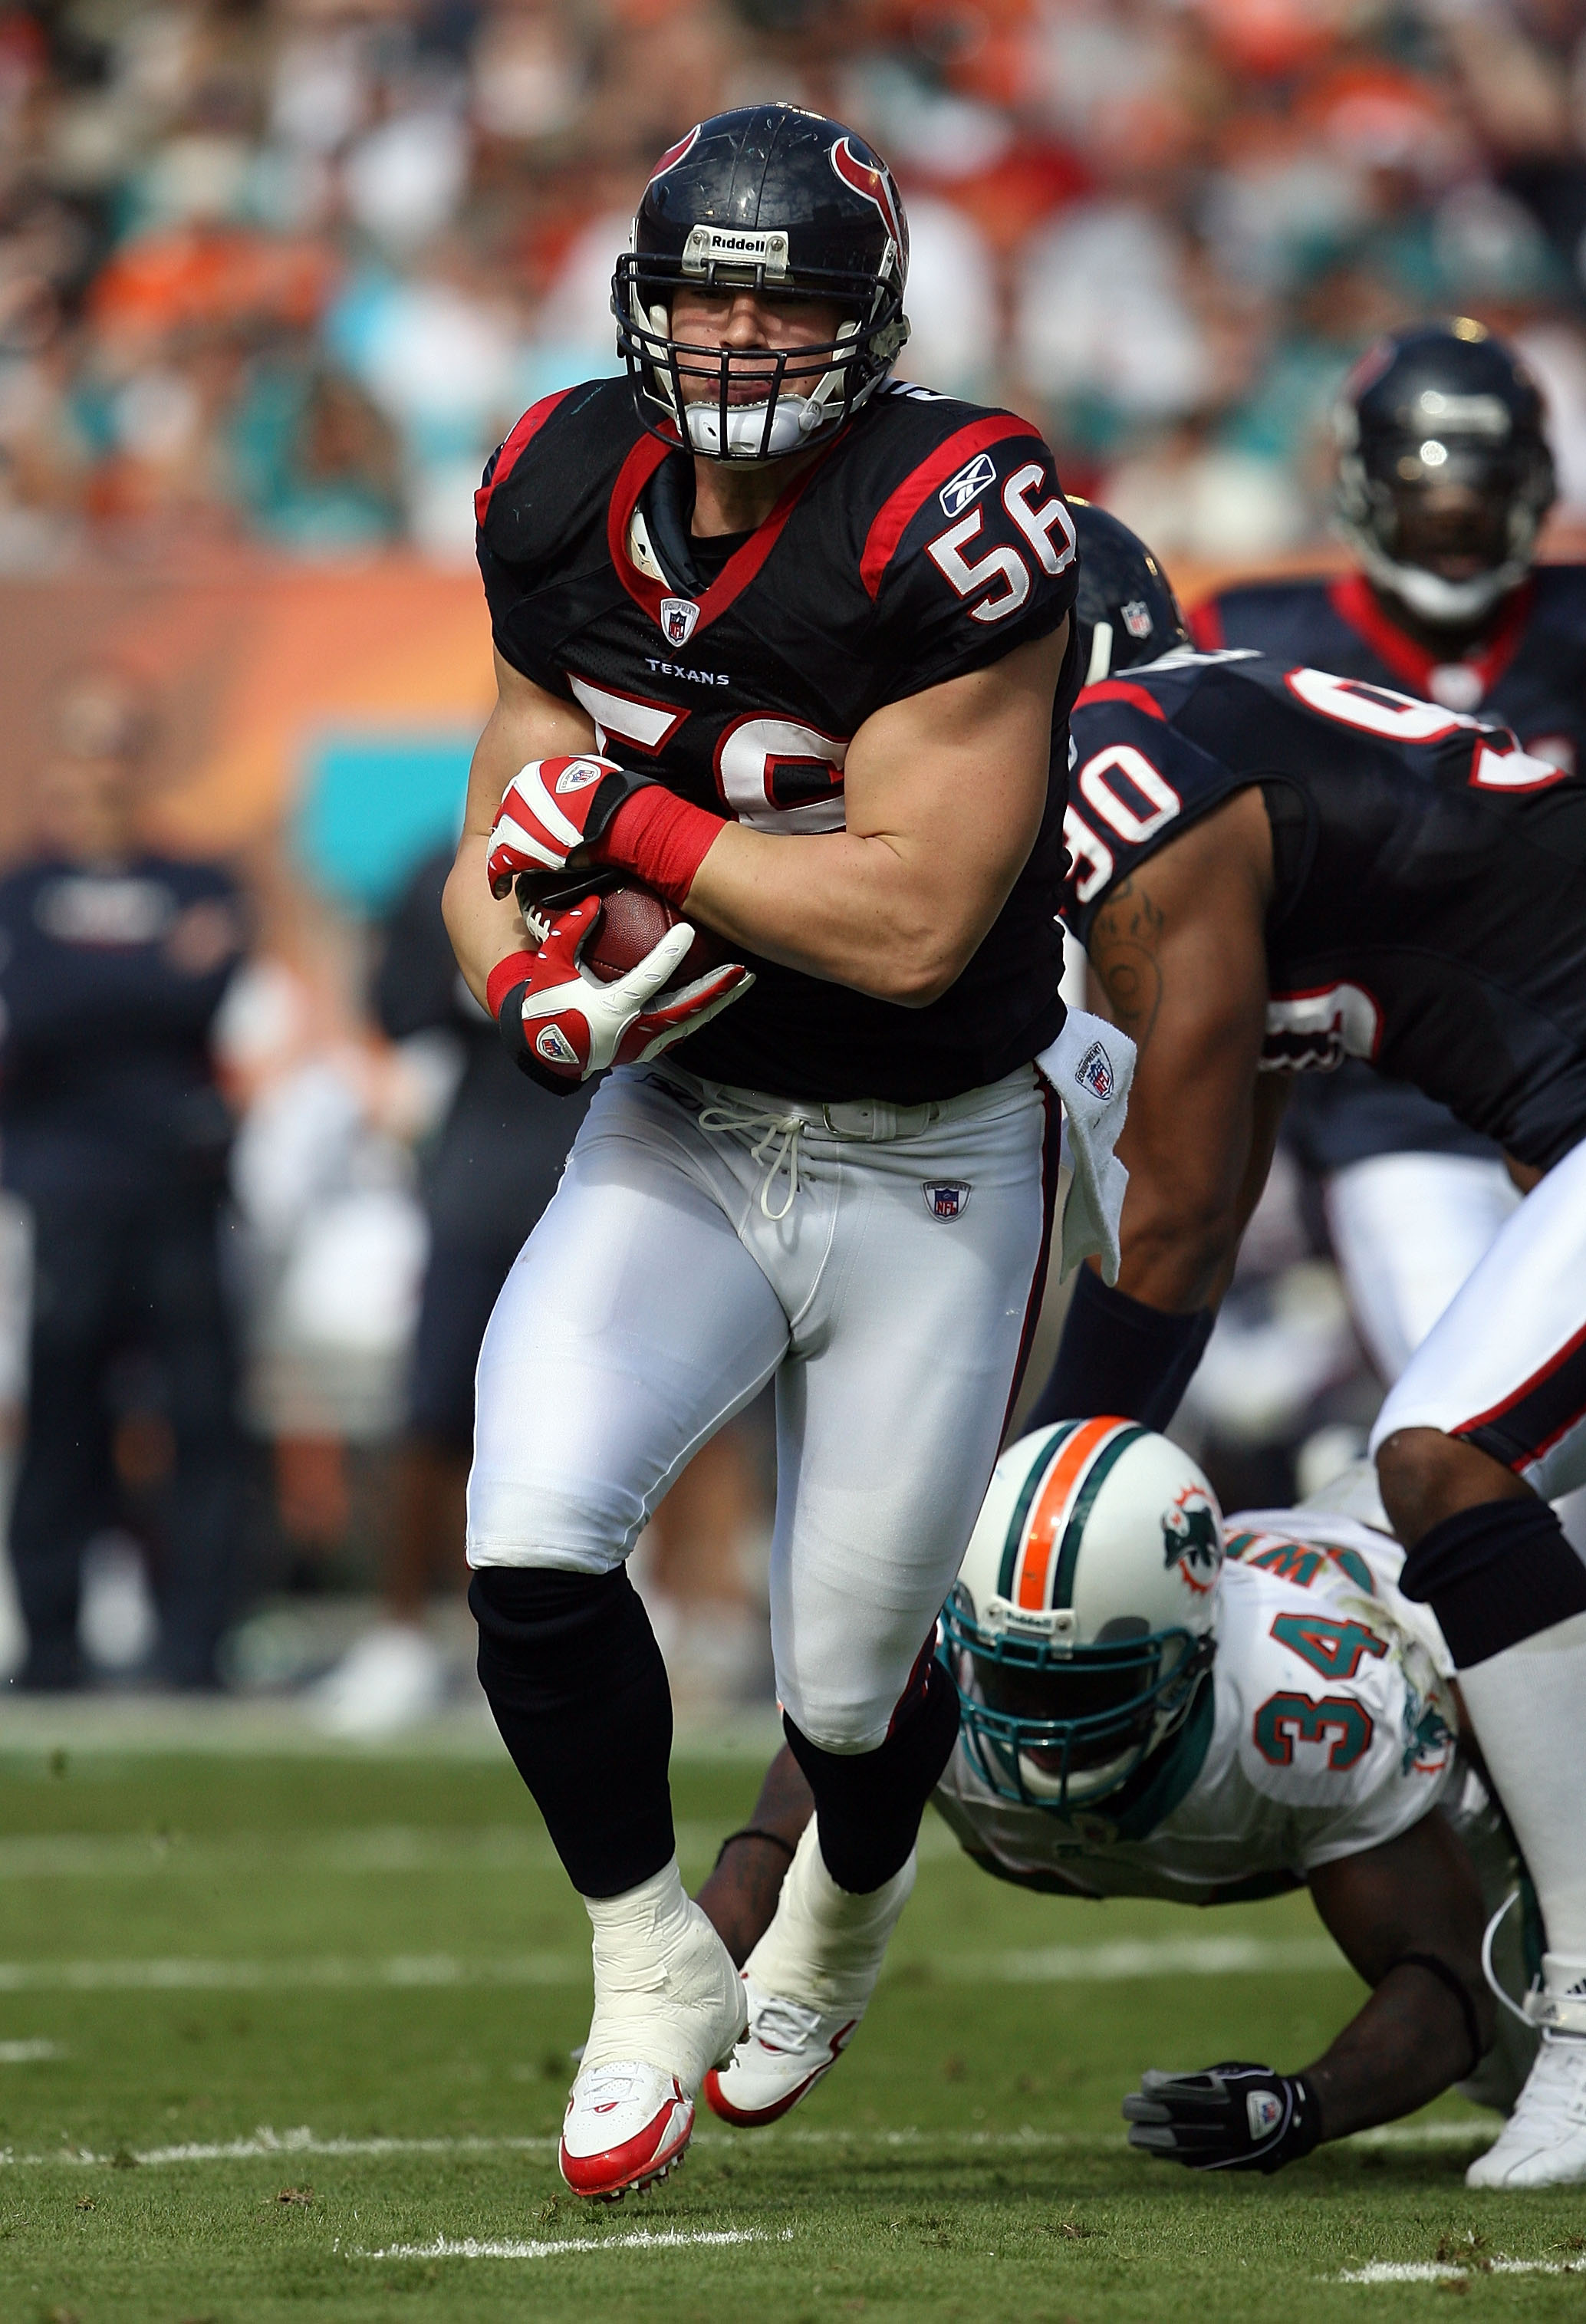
1137	617
1095	1072
678	617
945	1202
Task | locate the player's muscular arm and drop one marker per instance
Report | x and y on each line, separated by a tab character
527	722
1178	961
1416	1893
944	793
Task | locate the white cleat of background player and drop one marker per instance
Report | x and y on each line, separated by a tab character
1544	2142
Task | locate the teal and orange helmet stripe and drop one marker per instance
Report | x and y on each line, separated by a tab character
1041	1547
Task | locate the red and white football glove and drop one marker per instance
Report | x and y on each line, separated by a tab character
551	807
561	1026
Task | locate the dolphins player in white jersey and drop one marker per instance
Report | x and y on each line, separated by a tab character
1155	1705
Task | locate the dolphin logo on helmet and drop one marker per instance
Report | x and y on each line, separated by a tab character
1082	1628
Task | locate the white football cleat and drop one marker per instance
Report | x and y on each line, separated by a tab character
809	1983
781	2058
626	2127
667	2003
390	1678
1544	2142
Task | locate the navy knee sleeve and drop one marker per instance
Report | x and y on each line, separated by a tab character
869	1802
576	1685
1119	1355
1494	1576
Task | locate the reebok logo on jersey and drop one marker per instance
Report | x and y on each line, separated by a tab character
678	618
579	775
948	1200
553	1045
1264	2111
968	484
1095	1072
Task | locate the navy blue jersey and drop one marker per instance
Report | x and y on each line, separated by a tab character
109	982
930	539
1529	673
1430	913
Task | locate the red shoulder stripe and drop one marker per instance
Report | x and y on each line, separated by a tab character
899	511
1205	626
507	458
1118	689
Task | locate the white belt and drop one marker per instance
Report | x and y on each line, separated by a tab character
778	1130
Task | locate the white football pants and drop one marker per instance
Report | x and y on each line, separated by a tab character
705	1240
1505	1364
1406	1230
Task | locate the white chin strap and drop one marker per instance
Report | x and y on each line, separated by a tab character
1428	594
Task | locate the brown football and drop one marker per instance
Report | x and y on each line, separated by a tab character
633	921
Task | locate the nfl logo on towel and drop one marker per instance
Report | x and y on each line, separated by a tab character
678	617
1095	1072
949	1202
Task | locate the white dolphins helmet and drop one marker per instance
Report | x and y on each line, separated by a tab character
1080	1630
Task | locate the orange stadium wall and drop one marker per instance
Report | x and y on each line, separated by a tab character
257	666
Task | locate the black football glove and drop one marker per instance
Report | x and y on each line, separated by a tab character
1235	2117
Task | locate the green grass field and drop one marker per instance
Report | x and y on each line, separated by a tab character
276	2033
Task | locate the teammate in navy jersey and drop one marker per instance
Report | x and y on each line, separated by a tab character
1273	869
1444	477
787	644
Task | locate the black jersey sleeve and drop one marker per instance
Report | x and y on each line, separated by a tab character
971	555
539	505
1134	783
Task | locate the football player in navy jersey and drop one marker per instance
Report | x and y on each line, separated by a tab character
1444	476
786	644
1273	868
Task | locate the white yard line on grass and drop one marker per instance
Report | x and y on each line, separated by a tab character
1053	1964
364	1848
1142	1957
183	1974
1482	2128
264	2143
28	2053
1436	2271
641	2239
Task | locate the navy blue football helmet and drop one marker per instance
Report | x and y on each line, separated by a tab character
786	203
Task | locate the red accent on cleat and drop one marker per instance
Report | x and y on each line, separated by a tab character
755	2118
618	2170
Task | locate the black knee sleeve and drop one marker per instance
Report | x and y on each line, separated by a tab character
869	1802
1494	1576
575	1679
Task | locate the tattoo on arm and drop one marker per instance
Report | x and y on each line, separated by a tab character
1123	941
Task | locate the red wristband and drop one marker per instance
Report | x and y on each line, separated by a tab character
504	976
661	839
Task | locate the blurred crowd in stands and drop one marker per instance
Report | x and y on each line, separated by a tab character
285	270
275	275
